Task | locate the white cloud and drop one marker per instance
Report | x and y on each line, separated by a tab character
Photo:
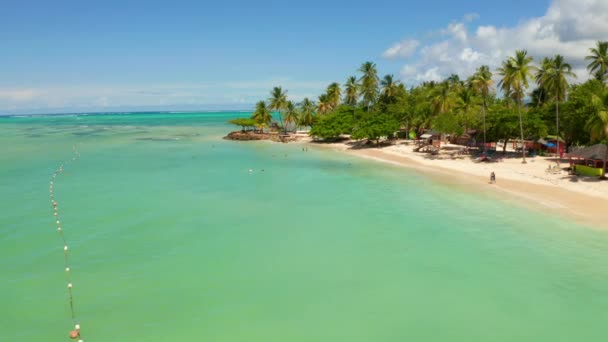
405	48
470	17
469	55
569	28
458	31
97	97
16	95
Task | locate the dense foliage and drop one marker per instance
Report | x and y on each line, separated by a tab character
533	101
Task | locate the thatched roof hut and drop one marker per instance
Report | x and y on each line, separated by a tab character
595	152
590	160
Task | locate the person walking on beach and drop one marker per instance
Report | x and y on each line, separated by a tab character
492	178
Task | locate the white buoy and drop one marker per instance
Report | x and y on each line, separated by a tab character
65	248
69	285
67	269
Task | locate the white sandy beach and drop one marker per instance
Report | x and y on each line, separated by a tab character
581	198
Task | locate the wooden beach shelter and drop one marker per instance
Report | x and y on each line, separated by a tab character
590	161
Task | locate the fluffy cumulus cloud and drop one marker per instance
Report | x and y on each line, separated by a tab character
404	48
569	28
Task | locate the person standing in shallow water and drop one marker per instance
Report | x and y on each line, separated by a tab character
492	178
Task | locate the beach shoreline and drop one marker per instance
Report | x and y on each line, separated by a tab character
526	185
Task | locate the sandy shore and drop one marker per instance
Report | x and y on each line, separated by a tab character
583	199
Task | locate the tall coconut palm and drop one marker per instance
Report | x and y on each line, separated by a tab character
389	87
333	94
291	115
599	61
351	91
466	103
369	83
546	65
516	72
261	115
598	123
556	82
278	102
482	83
307	109
324	104
442	98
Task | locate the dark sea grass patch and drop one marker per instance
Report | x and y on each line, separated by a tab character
157	139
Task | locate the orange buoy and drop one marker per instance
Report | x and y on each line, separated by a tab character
74	334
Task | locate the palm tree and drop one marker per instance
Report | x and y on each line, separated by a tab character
515	72
556	83
546	65
262	115
442	98
482	83
389	87
599	61
278	102
369	83
465	103
307	109
351	91
291	115
324	104
334	94
598	123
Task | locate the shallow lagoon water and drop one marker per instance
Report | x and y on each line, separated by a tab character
172	238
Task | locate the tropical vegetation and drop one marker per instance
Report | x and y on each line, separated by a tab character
521	100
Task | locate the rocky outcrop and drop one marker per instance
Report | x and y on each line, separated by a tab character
246	136
250	135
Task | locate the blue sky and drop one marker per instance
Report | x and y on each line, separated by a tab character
79	55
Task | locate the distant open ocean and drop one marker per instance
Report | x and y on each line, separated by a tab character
173	239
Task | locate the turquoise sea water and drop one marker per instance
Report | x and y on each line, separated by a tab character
171	238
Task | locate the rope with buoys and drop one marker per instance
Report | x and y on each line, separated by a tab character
74	333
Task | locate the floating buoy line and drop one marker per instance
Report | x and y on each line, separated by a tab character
75	332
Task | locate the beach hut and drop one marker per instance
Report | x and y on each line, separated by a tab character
431	137
589	161
549	144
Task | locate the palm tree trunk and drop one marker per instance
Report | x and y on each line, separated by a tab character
557	154
605	159
521	128
483	110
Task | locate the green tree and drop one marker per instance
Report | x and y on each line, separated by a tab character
243	122
307	110
515	73
369	83
482	83
262	115
546	65
598	66
442	98
351	91
324	104
291	115
374	127
598	123
556	82
465	108
278	102
389	88
334	124
578	110
333	94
